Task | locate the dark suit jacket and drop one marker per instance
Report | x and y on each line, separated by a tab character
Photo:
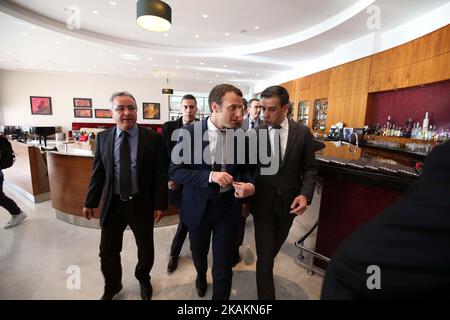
296	175
167	129
196	189
245	124
151	172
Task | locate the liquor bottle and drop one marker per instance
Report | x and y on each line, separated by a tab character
426	122
388	123
408	128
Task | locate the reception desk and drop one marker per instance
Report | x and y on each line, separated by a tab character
69	174
28	176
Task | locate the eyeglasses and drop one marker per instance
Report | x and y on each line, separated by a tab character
121	108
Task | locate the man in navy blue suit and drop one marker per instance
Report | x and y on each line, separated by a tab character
212	188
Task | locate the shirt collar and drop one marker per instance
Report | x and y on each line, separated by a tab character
211	125
132	132
284	125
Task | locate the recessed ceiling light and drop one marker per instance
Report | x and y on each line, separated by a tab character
57	42
256	27
24	33
225	66
210	81
197	74
165	35
201	63
100	54
257	74
178	67
67	37
176	61
129	63
113	3
239	84
150	59
197	36
205	16
133	68
227	34
114	67
95	12
239	72
111	50
33	27
154	65
216	75
94	66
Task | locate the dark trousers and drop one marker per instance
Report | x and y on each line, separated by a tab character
178	240
217	220
240	222
271	231
121	214
6	202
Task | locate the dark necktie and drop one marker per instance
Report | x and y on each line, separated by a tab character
252	124
125	165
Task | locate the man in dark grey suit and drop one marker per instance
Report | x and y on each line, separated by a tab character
254	110
130	174
280	197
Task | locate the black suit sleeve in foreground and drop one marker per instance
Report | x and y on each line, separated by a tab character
160	196
309	168
409	242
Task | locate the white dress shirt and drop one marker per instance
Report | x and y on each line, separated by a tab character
283	136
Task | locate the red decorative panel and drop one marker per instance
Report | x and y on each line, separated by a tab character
413	103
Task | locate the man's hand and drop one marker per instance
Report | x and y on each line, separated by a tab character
172	185
158	215
243	189
222	178
299	205
88	213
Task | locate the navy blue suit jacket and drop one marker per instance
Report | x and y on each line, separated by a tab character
196	189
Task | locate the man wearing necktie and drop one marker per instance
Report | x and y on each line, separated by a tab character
254	110
212	189
130	174
280	197
188	107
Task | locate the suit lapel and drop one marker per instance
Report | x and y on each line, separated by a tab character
140	150
109	145
292	136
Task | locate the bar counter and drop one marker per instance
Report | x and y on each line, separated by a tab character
355	187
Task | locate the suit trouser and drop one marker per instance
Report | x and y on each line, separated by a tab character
239	233
271	231
217	220
7	202
121	214
178	240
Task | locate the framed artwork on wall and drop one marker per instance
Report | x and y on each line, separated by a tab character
82	103
41	105
151	110
103	113
82	113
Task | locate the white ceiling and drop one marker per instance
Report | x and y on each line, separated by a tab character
34	36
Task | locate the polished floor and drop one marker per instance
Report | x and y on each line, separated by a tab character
40	259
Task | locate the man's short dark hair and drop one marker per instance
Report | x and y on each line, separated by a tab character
251	100
189	97
276	91
219	91
244	103
121	94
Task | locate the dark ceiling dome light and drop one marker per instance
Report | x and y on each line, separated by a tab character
154	15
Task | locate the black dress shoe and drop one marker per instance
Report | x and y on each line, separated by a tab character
237	258
201	285
173	264
146	291
109	295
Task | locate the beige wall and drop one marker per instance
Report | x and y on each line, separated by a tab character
16	87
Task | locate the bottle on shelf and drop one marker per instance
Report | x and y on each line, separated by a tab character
408	128
388	123
426	122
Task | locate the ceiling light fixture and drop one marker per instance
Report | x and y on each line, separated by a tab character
205	16
154	15
167	91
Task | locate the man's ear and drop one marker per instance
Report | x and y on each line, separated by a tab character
285	108
215	107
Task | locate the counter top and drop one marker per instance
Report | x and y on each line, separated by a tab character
72	148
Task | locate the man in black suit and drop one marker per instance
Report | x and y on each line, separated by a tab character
188	108
253	121
130	174
280	197
211	188
402	253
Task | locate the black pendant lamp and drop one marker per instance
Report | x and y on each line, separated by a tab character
154	15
